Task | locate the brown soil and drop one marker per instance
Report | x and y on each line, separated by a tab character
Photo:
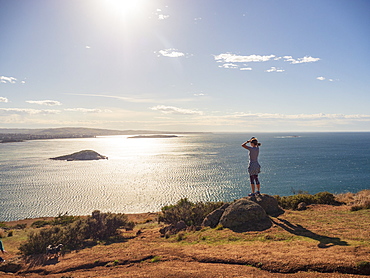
323	241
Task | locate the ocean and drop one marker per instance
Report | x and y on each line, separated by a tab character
145	174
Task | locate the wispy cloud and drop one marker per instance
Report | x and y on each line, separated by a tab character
160	15
44	102
231	60
87	110
171	52
136	99
175	110
306	59
7	79
28	111
128	99
273	69
229	66
317	116
322	78
3	99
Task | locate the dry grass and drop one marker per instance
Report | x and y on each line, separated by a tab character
357	201
323	241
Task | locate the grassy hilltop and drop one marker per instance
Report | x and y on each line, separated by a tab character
321	241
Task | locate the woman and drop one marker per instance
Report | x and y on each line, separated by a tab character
2	250
254	167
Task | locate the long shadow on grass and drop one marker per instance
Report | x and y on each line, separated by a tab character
296	229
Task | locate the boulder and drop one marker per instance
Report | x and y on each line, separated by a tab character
245	215
173	229
213	218
81	155
268	203
302	206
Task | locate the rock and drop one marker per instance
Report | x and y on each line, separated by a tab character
302	206
81	155
180	225
213	218
245	215
268	203
173	229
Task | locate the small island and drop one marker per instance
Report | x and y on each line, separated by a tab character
152	136
81	155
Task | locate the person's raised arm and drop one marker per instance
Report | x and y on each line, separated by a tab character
244	145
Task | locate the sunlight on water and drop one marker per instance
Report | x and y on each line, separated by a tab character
144	174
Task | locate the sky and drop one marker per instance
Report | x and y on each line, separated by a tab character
186	65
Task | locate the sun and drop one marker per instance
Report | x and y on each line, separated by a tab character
125	7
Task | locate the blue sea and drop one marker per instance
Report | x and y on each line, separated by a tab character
145	174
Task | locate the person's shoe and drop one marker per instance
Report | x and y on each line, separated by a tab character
251	194
258	193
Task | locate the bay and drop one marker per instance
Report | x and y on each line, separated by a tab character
145	174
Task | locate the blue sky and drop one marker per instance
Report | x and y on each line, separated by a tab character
186	65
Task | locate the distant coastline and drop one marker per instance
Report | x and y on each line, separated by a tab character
152	136
21	135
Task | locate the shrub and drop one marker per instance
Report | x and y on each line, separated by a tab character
64	219
190	213
325	198
40	223
101	226
98	226
38	241
291	202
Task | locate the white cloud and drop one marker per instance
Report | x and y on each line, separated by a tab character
306	59
321	78
27	111
163	16
228	66
44	102
6	79
3	99
175	110
273	69
86	110
232	58
171	52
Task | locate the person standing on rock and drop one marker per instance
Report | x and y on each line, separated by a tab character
254	168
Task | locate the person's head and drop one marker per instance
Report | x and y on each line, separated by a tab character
254	142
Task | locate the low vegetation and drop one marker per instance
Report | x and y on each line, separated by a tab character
75	232
291	202
357	201
191	213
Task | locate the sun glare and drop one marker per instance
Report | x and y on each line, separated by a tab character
125	7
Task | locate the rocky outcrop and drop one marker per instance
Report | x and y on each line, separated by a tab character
213	218
81	155
245	214
268	203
